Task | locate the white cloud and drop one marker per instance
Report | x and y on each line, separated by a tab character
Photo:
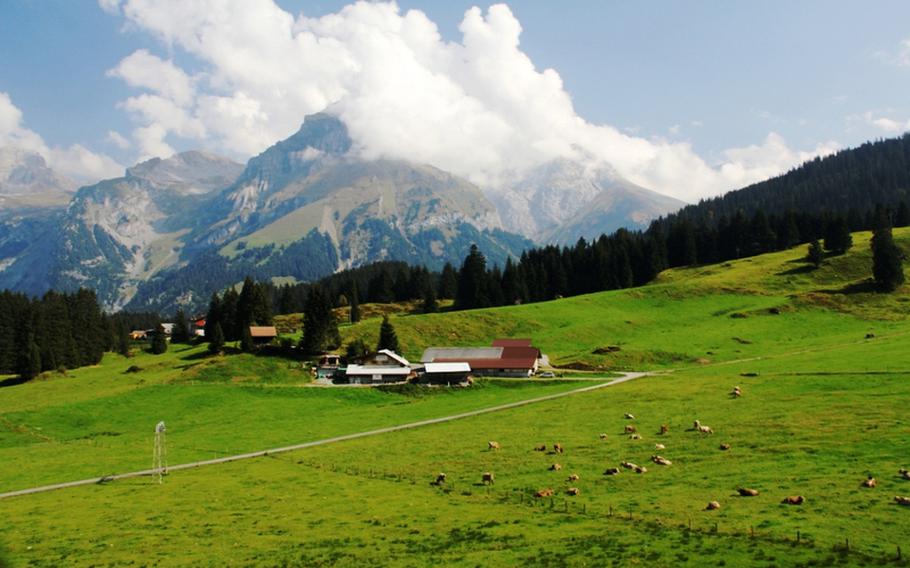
477	107
110	6
118	139
880	122
76	161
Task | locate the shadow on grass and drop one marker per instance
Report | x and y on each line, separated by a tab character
11	382
865	287
805	269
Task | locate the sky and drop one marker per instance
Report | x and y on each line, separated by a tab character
687	98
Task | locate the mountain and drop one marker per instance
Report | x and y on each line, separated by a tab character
562	200
26	181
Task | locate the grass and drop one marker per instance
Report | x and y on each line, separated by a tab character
823	408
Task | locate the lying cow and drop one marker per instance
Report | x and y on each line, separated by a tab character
794	500
904	473
629	416
555	467
660	447
612	471
572	491
713	505
869	482
630	429
493	445
603	436
544	493
747	492
660	460
628	465
725	447
440	479
558	448
573	477
905	501
540	448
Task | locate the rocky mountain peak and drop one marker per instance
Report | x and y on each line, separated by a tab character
192	172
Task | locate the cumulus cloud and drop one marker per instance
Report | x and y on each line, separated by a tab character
477	107
118	139
883	123
75	161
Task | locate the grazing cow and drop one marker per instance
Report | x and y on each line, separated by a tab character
572	491
905	501
493	445
660	447
713	505
440	479
736	392
629	429
603	436
612	471
746	492
629	416
869	482
558	448
794	500
635	437
488	478
660	460
544	493
664	428
641	469
725	447
540	448
555	467
628	465
573	477
904	473
703	429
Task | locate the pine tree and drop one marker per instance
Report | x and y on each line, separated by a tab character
216	338
815	254
355	304
388	339
320	329
887	258
123	339
181	332
30	361
355	349
837	236
430	305
902	217
230	321
159	341
472	282
246	341
213	319
448	282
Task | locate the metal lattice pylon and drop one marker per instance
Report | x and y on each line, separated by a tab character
159	454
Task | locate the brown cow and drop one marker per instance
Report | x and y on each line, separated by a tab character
664	428
493	445
544	493
540	448
660	460
488	478
558	448
440	479
794	500
573	477
905	501
630	429
713	505
572	491
555	467
746	492
612	471
725	447
869	482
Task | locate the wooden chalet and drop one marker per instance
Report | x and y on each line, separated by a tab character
382	367
263	334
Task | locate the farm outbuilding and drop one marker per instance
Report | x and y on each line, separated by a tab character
263	334
505	358
446	373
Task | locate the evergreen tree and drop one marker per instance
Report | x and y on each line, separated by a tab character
356	349
388	339
448	282
887	258
320	329
159	341
902	217
430	305
355	304
815	254
246	341
472	282
837	236
123	339
181	331
30	361
213	318
215	338
230	320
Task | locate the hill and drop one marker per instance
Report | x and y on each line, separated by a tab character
823	407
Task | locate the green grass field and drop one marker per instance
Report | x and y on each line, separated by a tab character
823	407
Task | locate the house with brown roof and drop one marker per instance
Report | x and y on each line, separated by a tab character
505	358
263	334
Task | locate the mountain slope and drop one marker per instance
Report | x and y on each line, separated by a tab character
26	181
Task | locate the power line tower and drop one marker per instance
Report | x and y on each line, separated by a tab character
159	455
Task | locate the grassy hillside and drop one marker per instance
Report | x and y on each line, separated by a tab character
823	407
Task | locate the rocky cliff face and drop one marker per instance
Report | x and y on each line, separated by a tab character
26	181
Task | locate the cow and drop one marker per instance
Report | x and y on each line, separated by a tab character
603	436
540	448
629	416
736	392
440	479
664	429
572	491
713	505
905	501
488	478
558	448
641	469
904	473
635	437
630	429
660	460
660	447
869	482
573	477
493	445
628	465
725	447
555	467
612	471
703	429
794	500
544	493
746	492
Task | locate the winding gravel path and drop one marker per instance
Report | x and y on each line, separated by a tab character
262	453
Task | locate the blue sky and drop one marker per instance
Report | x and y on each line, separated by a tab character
684	81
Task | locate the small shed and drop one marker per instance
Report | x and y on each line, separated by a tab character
263	334
446	373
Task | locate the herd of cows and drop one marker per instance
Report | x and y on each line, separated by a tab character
488	477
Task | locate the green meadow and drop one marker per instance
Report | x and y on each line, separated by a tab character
823	362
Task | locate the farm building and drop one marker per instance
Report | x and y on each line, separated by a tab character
506	358
381	367
263	334
446	373
328	365
197	327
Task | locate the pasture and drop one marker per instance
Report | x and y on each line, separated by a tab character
823	407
